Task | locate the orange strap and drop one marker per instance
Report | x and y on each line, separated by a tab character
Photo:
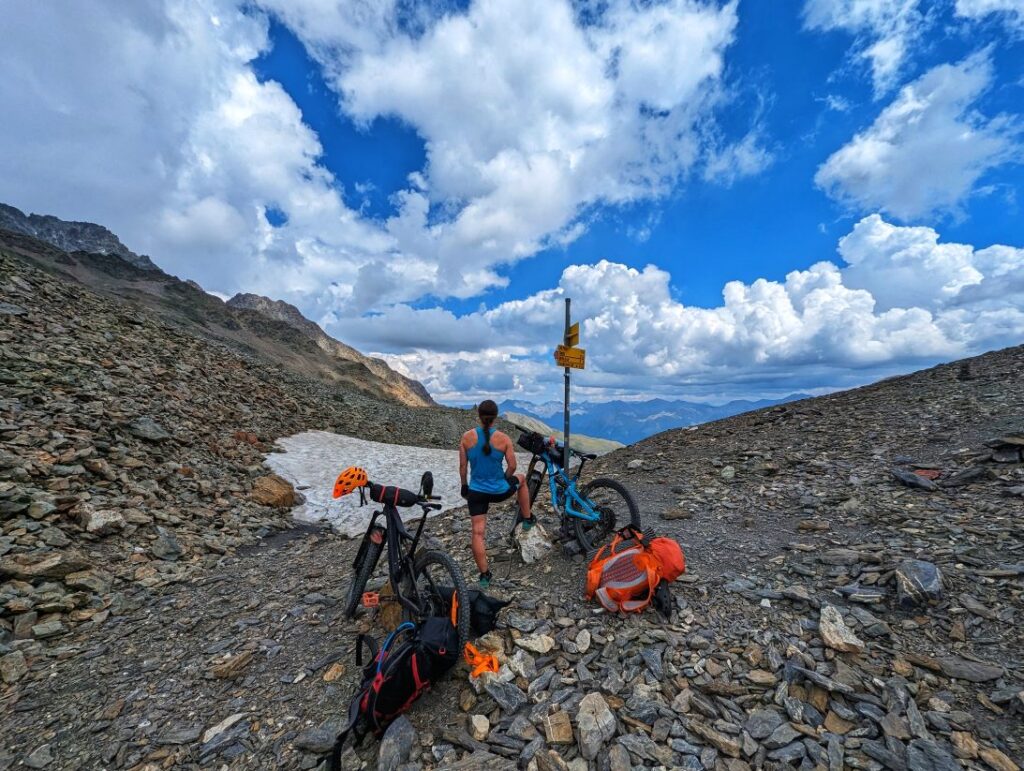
455	609
479	662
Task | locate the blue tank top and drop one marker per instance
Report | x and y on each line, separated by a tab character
486	472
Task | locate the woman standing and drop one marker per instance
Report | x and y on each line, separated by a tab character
489	457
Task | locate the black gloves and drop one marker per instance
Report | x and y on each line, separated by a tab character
465	492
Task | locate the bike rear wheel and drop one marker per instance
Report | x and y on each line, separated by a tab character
616	506
362	570
439	582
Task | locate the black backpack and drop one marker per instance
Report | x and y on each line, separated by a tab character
408	662
483	610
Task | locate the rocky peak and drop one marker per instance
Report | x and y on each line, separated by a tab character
71	236
275	309
405	389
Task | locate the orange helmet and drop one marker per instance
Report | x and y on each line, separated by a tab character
350	480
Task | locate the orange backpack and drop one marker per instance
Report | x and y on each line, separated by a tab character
671	560
624	578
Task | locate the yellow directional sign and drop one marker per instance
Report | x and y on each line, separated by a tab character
573	338
570	357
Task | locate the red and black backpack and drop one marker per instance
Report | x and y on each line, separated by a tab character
409	661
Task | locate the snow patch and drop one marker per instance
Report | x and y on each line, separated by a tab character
312	461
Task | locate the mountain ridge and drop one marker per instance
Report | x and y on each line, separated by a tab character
289	314
71	236
270	329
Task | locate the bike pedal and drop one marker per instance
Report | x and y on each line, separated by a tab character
371	599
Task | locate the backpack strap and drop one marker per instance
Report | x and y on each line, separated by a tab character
371	645
650	566
339	743
403	627
629	531
594	571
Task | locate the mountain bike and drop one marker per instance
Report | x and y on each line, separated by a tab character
596	510
423	583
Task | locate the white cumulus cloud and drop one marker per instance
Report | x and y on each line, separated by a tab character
903	297
149	118
927	150
530	115
885	32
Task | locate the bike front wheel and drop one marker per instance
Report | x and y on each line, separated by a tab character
616	507
439	582
362	570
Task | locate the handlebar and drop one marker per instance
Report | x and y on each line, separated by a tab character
557	447
397	496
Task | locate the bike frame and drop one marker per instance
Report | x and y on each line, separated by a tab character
557	474
399	564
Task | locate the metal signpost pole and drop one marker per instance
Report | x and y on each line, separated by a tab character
565	443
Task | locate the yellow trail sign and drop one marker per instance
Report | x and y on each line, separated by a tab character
573	338
570	357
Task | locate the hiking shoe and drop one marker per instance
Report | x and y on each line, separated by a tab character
485	579
527	524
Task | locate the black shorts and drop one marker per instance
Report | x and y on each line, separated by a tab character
478	502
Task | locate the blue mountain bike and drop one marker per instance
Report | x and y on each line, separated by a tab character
596	510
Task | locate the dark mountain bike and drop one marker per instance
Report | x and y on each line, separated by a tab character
596	510
423	583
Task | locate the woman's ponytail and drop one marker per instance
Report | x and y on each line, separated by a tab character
487	411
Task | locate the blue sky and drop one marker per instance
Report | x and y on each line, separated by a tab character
744	199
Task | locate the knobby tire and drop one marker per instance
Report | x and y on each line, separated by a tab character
362	576
457	581
591	534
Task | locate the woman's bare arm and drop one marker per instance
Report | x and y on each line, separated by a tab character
510	455
463	462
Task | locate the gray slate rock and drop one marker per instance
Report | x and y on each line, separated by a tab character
397	745
974	671
40	757
910	479
509	697
166	546
762	722
148	429
319	740
925	755
918	583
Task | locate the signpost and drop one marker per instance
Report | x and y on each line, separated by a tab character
570	357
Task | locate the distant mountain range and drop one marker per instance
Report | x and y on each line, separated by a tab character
580	442
629	422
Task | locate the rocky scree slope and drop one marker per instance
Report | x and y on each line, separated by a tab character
405	389
854	600
131	452
279	342
71	236
806	634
